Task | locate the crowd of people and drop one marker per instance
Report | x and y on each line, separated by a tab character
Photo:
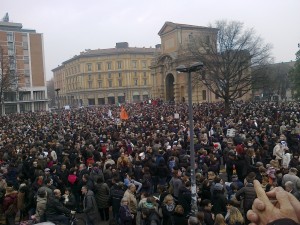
90	161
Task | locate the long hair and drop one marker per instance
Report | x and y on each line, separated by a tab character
235	216
220	220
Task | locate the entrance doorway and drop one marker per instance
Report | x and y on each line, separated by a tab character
170	88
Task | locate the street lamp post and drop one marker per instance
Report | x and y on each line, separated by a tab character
183	69
57	95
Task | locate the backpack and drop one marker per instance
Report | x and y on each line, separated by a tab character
12	208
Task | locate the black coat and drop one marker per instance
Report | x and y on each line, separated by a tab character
179	219
54	207
90	206
125	215
184	199
249	194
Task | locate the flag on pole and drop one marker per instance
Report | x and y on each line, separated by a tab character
123	114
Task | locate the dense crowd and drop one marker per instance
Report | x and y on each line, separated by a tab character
89	160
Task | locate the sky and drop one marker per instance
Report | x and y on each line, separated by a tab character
71	26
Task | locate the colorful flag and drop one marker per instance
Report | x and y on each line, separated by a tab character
123	114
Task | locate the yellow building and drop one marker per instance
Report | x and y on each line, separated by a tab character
105	76
170	85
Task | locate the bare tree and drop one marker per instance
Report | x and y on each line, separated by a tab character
51	91
228	60
9	77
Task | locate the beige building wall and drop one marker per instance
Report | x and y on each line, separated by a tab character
170	85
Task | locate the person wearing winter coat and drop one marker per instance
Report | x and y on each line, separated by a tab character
150	217
10	205
219	200
41	202
185	196
55	210
69	199
247	193
116	194
126	218
90	206
168	208
132	201
179	216
102	195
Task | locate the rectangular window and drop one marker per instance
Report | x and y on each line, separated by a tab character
120	83
90	76
90	84
98	66
144	64
145	74
89	67
120	75
24	37
10	37
25	45
100	84
134	64
145	82
110	83
10	45
11	52
99	76
119	64
135	82
109	75
203	94
109	65
135	74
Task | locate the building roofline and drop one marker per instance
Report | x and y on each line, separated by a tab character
182	26
112	51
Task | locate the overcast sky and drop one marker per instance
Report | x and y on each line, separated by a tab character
71	26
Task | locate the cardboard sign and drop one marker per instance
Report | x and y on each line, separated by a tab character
231	133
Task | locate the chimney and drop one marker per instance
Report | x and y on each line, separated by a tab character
122	45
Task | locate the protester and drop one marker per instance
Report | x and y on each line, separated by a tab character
150	149
90	206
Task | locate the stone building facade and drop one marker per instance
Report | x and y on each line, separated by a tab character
170	85
106	76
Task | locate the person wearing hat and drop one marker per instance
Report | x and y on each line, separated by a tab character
219	200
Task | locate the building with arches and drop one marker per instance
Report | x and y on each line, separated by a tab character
105	76
170	85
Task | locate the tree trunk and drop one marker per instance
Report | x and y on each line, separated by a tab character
227	106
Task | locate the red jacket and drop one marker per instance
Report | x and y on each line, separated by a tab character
9	199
